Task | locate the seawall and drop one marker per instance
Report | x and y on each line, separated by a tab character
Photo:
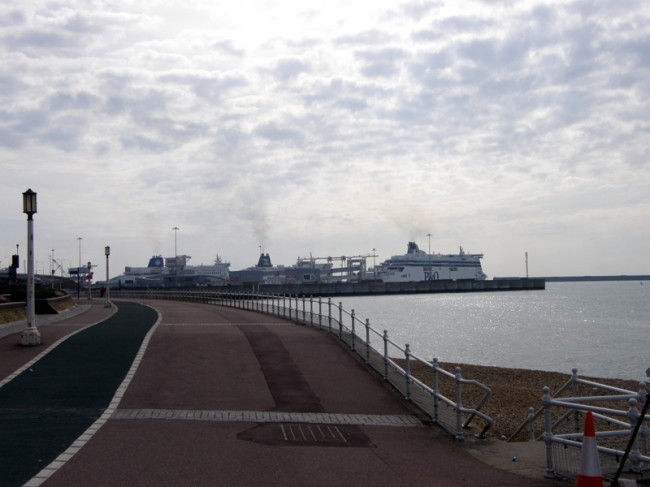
380	288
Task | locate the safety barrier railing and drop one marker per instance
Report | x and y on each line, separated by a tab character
392	361
616	432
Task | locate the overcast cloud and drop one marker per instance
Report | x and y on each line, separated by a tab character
330	129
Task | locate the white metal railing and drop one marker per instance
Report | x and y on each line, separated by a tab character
614	431
386	357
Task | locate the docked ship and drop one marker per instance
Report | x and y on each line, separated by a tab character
417	265
307	270
175	271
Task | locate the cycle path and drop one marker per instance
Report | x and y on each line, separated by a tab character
51	403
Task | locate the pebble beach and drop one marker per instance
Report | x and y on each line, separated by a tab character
514	391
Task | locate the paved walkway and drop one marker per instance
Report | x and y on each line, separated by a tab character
217	396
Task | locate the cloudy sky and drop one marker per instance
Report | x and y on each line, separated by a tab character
329	128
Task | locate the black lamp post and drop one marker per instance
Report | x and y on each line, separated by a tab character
107	252
30	335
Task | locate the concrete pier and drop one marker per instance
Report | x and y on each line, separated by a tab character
379	288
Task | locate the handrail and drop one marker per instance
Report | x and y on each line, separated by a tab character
639	459
362	340
573	381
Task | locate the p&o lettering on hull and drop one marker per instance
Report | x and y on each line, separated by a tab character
431	276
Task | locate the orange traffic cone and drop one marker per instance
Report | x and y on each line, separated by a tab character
589	475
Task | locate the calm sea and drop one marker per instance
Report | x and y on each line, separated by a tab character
600	328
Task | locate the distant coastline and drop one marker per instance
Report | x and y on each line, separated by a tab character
598	278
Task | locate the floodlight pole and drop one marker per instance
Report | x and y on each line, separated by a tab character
374	268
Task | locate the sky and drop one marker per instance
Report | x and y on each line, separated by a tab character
328	129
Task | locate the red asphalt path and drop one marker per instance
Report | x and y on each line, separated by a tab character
214	359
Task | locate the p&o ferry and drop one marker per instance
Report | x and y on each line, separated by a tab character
417	265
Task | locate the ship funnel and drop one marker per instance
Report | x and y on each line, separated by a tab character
264	261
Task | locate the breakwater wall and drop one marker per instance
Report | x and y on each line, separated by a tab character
379	288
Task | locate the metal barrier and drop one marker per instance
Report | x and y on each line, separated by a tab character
393	362
564	413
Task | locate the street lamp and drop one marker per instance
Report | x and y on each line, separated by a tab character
107	252
30	335
89	278
52	268
79	271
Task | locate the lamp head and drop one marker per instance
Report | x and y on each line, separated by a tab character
29	202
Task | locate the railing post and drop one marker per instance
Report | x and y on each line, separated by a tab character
531	424
311	310
329	314
459	405
367	341
574	390
284	306
385	354
643	430
407	370
548	433
633	415
304	313
353	343
320	311
340	320
436	388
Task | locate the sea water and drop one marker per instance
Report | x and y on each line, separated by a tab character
600	328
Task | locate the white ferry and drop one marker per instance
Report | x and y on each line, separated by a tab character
417	265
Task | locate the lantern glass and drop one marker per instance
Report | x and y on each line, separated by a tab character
29	202
107	251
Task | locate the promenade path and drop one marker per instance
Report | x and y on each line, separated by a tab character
216	396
